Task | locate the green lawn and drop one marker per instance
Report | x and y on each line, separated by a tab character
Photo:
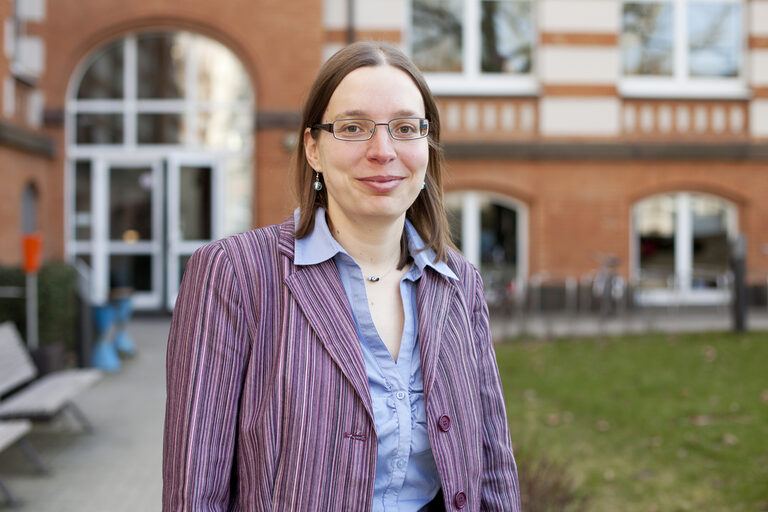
646	423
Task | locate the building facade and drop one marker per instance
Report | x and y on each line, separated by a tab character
575	131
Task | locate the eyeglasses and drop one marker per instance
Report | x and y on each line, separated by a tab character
402	128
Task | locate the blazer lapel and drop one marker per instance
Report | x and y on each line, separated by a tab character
434	298
319	292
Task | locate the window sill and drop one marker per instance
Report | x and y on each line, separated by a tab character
693	89
463	85
23	75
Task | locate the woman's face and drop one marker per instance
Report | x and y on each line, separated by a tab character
375	180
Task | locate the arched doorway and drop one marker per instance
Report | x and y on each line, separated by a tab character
681	248
159	131
492	232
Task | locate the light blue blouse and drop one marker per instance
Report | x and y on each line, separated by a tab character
406	476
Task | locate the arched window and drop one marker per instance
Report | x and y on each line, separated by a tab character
160	150
29	214
491	231
682	244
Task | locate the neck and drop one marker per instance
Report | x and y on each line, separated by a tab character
374	245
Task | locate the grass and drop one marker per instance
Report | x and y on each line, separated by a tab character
646	423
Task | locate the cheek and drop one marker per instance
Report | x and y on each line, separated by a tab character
417	159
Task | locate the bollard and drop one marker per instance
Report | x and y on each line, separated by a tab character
739	300
104	353
123	340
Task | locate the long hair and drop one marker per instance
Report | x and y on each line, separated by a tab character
427	213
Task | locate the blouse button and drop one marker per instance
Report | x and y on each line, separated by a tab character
444	423
460	500
400	395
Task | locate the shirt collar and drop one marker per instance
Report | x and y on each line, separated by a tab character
320	246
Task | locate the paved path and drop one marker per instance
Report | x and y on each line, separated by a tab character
117	468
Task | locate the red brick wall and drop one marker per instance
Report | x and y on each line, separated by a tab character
278	42
17	170
578	210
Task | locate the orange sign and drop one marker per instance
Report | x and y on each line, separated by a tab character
32	246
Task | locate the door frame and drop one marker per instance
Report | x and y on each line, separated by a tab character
103	246
175	246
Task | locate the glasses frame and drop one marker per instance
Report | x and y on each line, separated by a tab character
329	128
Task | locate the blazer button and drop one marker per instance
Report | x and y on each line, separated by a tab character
444	423
460	500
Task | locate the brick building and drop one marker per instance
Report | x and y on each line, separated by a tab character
133	132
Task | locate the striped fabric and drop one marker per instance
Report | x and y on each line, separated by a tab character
268	404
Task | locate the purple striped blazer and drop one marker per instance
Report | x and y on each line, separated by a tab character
268	406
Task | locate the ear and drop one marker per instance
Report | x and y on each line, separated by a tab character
311	151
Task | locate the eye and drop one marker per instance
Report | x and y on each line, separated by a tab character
349	127
405	127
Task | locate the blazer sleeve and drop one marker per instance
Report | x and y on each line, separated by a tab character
500	489
208	349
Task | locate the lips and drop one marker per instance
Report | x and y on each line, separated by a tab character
382	184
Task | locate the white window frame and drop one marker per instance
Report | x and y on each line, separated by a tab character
471	81
129	152
680	84
470	227
681	293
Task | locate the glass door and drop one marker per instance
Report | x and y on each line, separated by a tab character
127	230
192	213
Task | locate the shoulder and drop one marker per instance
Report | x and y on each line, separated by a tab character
265	239
469	280
242	250
464	270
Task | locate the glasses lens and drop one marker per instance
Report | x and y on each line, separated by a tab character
353	129
408	128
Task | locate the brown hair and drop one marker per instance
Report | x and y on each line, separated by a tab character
427	213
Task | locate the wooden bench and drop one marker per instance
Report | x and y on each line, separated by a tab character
13	432
40	399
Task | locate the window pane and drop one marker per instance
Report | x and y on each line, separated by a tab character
225	129
647	39
161	65
99	128
506	28
83	219
104	77
160	129
498	238
131	271
130	203
437	35
714	39
183	260
221	76
195	194
710	240
237	188
655	221
453	211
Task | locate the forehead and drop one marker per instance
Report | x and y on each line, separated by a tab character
376	91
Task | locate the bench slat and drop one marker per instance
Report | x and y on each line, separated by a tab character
12	431
16	366
47	396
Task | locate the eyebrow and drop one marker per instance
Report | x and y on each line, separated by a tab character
347	114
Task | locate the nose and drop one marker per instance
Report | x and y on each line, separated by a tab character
381	147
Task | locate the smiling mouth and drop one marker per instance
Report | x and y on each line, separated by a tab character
382	183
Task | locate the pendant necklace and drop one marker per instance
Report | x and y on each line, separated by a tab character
376	279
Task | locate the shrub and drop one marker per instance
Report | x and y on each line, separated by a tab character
57	302
546	486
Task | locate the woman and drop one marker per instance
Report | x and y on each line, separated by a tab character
341	360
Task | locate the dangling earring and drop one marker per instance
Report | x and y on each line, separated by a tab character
423	185
317	185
